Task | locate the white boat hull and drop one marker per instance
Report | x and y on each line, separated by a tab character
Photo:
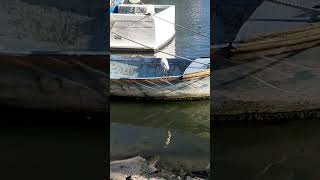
138	32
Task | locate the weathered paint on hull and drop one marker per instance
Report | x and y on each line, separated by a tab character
168	90
279	43
279	88
54	82
143	78
283	43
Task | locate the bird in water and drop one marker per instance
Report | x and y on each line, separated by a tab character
168	139
165	66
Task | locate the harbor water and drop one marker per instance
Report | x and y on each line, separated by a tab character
175	132
268	151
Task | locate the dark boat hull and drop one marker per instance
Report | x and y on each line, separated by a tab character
54	81
272	73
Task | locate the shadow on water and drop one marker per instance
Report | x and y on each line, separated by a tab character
52	145
287	150
178	132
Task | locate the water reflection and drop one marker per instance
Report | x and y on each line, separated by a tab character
174	131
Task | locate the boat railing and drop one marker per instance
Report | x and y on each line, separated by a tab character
140	9
136	9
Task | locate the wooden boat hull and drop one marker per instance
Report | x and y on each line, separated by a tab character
187	87
55	81
276	44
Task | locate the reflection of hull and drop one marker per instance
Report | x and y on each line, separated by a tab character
143	78
162	129
54	81
192	117
138	32
249	145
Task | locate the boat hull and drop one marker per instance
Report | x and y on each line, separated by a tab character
54	82
144	79
164	90
134	32
275	44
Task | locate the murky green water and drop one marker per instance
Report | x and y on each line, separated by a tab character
178	132
267	151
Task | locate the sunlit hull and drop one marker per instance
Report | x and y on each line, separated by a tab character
137	32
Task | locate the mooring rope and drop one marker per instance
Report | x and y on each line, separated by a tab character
160	50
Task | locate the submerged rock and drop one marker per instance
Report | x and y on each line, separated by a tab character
138	168
135	168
